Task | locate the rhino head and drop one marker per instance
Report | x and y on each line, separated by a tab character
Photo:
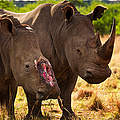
22	58
79	46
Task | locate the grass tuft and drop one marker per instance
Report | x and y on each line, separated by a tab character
96	105
83	94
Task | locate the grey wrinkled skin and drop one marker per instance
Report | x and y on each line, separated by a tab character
68	40
22	63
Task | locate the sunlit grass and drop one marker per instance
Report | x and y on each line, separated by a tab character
21	108
49	107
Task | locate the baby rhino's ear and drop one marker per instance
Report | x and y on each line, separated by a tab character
97	13
6	26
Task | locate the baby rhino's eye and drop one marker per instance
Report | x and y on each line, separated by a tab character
27	66
78	51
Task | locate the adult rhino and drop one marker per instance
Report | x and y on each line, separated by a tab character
68	40
22	63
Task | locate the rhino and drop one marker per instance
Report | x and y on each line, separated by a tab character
67	38
22	63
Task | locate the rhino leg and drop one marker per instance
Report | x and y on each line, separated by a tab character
34	110
11	99
66	86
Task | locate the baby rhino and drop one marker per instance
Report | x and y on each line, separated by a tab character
22	63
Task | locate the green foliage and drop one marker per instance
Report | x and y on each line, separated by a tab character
5	4
30	7
78	2
102	25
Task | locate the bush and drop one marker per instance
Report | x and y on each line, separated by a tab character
4	4
29	7
78	2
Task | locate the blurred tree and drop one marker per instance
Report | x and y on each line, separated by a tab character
78	2
4	4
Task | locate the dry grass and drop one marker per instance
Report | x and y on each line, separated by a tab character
96	104
89	102
82	93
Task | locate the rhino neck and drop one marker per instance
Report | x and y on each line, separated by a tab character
5	57
57	30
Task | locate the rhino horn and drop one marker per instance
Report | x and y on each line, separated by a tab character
106	50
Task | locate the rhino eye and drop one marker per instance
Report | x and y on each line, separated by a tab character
78	51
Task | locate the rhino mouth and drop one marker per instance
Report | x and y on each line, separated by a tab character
40	96
95	81
95	76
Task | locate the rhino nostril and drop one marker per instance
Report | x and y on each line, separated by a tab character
40	95
88	75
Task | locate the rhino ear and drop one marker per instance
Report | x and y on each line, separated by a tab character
97	13
68	12
6	26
